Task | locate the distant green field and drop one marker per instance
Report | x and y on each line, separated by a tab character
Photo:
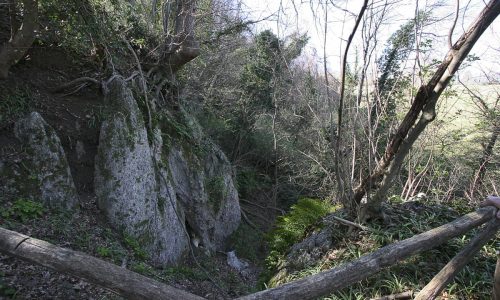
460	114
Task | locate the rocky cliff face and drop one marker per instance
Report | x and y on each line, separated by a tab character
152	192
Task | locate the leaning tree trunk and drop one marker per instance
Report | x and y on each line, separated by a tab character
21	38
423	109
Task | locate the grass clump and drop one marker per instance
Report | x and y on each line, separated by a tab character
135	246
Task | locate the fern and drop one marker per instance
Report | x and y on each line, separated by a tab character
292	227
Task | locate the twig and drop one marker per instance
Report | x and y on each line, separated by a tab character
400	296
349	223
74	82
144	88
72	114
254	214
76	90
263	207
132	76
450	34
245	217
494	187
327	173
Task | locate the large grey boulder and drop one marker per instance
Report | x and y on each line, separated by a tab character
204	183
47	161
204	186
129	188
162	195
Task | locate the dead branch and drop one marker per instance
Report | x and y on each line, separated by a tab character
496	279
349	223
245	217
255	215
78	81
400	296
263	207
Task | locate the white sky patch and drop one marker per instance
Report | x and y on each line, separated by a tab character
292	16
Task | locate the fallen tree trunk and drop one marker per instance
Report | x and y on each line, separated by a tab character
109	276
332	280
439	282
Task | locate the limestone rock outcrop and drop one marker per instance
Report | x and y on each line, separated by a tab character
127	184
157	193
47	161
204	186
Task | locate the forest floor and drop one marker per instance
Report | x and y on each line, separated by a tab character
86	231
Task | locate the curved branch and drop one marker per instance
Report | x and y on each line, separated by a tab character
450	34
22	39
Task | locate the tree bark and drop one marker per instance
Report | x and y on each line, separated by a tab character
446	275
424	104
344	192
22	38
496	279
109	276
181	46
342	276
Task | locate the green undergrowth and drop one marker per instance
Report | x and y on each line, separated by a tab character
303	217
22	210
250	181
412	274
15	102
248	243
6	291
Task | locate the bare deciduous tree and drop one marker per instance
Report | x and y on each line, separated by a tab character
421	113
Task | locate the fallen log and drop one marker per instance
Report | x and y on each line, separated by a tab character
344	275
457	263
121	281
